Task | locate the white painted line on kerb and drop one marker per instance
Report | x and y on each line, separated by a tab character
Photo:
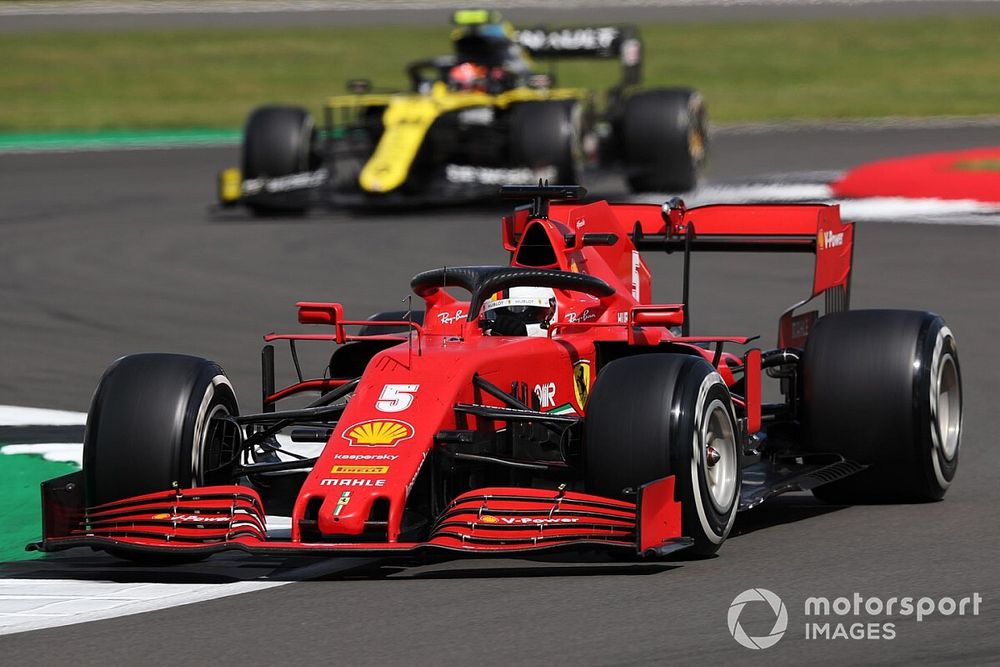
15	415
38	603
70	452
33	604
869	209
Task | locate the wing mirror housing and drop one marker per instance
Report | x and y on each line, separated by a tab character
311	312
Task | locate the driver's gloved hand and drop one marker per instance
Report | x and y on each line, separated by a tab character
505	325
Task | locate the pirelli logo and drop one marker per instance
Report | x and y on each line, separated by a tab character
359	470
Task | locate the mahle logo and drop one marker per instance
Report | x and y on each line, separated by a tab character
777	607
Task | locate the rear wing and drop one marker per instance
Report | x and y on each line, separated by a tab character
797	228
608	42
758	228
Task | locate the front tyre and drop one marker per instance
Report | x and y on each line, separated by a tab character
158	421
655	415
548	134
279	141
884	388
665	137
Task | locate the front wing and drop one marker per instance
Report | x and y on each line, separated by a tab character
502	520
445	184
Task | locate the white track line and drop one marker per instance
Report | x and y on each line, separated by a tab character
15	415
70	452
33	604
870	209
37	603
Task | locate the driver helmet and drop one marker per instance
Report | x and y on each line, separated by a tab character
534	307
468	76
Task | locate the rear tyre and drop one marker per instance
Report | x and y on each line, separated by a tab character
656	415
547	134
279	141
665	137
883	388
157	420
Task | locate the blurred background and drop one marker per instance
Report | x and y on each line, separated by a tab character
115	118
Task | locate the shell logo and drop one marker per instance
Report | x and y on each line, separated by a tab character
161	516
489	518
378	433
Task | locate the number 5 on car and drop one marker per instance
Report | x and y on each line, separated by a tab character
396	397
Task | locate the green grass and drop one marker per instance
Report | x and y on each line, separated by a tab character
980	165
747	71
21	510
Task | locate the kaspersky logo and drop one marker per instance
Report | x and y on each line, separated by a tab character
378	433
827	239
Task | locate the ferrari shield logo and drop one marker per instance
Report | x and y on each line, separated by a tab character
345	498
581	381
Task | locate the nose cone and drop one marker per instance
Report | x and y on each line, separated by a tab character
345	511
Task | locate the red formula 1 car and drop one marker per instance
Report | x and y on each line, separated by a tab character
549	405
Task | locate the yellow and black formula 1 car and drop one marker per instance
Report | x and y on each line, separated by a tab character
471	121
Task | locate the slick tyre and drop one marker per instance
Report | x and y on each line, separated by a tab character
884	388
655	415
664	140
547	134
156	421
279	141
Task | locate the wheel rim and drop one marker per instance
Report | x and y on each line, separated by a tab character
696	132
217	444
718	457
948	399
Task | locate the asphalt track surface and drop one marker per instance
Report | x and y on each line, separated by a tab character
110	253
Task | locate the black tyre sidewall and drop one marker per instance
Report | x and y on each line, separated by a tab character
144	421
701	519
867	384
656	135
938	471
546	134
643	423
277	141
